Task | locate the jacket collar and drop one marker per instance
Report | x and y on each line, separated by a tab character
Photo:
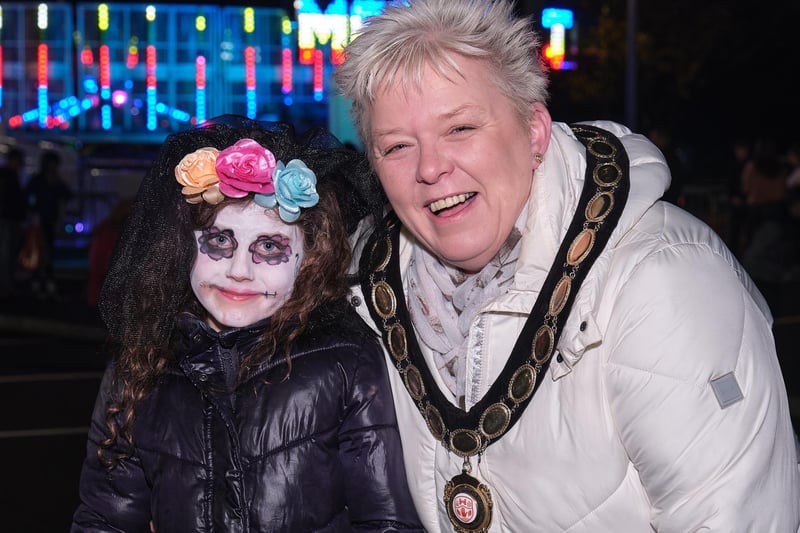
193	335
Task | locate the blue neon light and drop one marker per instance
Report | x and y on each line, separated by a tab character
151	108
105	116
251	103
43	107
200	98
552	16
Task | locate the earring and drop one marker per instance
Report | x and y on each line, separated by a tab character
538	157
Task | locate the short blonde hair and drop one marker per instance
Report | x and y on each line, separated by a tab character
395	47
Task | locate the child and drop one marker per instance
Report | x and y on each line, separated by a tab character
244	393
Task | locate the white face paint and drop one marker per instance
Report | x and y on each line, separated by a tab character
246	265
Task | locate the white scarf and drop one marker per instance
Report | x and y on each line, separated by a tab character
443	301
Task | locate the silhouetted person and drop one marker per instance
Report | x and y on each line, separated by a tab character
740	152
793	203
793	181
677	167
12	216
764	188
46	194
101	248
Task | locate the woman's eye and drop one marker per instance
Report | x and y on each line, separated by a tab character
393	148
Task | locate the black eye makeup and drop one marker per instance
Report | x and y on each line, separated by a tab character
271	249
217	244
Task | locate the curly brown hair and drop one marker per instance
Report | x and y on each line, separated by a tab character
148	283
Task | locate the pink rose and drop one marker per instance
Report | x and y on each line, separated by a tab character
245	167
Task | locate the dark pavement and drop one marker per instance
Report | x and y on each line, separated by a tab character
50	367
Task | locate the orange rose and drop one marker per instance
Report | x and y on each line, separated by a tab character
198	175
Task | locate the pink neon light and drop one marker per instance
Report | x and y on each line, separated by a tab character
318	76
119	98
250	67
200	72
150	60
87	57
56	122
286	71
133	57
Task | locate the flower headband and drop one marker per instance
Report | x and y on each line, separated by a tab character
210	174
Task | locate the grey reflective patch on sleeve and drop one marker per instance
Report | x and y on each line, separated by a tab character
727	390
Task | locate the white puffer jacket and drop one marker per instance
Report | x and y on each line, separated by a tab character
625	433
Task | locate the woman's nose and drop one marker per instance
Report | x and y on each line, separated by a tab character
433	165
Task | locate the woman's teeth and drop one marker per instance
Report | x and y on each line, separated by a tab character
444	203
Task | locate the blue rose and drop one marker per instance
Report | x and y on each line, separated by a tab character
295	187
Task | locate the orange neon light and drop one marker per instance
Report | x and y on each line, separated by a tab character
42	65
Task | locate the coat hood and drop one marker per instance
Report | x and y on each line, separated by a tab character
557	186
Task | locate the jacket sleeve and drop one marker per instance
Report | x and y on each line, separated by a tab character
697	396
378	498
116	500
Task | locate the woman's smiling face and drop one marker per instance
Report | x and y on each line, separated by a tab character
246	264
456	162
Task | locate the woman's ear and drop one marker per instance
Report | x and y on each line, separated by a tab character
540	125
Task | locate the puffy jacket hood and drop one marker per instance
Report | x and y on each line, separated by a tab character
557	186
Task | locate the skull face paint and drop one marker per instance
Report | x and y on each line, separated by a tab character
219	244
246	264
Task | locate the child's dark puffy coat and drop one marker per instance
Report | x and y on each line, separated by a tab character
319	451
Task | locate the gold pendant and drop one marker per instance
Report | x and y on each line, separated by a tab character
468	502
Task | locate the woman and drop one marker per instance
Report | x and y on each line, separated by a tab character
244	393
573	354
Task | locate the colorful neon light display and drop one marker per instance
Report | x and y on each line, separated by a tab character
98	73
